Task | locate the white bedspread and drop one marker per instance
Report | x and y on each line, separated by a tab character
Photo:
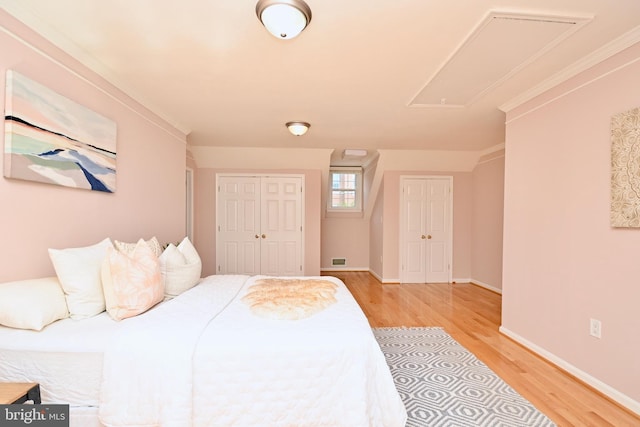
204	359
65	358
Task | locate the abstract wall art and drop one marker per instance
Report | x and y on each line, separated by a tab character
625	169
52	139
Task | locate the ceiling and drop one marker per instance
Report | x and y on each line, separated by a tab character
365	73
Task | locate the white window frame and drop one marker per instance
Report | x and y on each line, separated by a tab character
336	170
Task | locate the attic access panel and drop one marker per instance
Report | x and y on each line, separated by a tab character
498	48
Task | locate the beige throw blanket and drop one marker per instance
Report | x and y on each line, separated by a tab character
290	299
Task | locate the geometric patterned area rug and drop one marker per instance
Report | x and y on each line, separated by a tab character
443	384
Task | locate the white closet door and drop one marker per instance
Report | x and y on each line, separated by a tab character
425	235
438	231
260	225
414	215
238	238
281	226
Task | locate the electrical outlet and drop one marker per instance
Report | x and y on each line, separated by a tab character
595	328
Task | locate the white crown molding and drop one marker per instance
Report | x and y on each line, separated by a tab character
616	46
493	149
22	14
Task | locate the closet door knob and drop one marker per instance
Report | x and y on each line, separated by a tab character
257	237
264	236
423	237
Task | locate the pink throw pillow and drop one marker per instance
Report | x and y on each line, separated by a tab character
132	283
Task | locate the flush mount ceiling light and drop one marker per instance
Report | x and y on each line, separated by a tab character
285	19
298	128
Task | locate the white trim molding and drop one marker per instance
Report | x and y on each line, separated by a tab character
329	269
383	280
602	387
486	286
115	92
493	149
616	46
21	12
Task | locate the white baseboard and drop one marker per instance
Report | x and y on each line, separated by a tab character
486	286
383	281
345	269
603	388
389	281
374	274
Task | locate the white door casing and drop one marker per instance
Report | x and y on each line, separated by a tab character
260	223
189	203
425	229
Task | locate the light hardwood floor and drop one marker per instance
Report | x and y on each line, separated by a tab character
471	315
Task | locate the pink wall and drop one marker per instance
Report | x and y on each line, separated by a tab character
563	262
487	221
205	216
462	207
376	233
347	234
204	199
150	195
347	238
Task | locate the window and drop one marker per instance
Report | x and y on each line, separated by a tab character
345	189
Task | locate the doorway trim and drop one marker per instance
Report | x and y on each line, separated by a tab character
189	202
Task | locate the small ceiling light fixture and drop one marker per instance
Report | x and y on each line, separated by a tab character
354	152
298	128
285	19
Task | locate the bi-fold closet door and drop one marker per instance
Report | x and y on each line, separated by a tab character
259	225
425	229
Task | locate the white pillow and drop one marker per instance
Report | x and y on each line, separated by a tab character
128	248
78	270
32	304
180	267
131	282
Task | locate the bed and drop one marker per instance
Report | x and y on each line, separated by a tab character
208	358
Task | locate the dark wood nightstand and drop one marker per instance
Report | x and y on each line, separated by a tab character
19	393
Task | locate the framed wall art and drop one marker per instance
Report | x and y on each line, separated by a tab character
52	139
625	169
